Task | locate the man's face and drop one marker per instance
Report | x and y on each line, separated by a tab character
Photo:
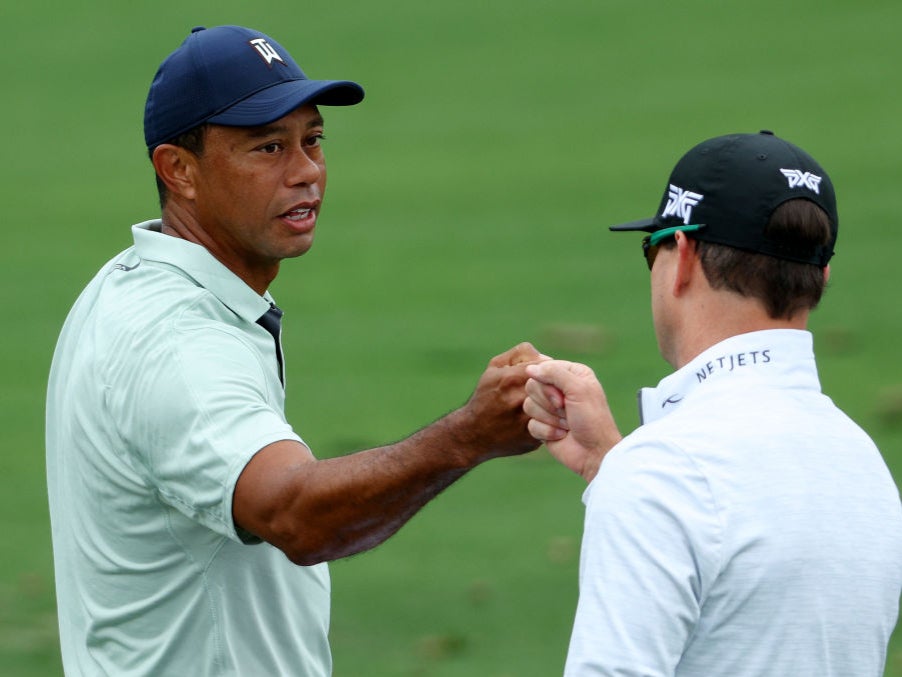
258	191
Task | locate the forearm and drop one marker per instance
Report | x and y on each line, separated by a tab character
352	503
316	511
321	510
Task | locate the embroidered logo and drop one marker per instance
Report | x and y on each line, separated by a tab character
267	51
730	362
680	203
797	177
673	399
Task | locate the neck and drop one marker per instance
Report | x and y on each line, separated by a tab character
721	316
180	220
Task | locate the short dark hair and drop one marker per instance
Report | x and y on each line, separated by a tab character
785	287
193	141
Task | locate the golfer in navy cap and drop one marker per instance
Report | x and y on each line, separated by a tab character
191	524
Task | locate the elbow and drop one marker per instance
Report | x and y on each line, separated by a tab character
304	554
302	548
306	545
311	547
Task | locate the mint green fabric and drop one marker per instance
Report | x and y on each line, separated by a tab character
162	388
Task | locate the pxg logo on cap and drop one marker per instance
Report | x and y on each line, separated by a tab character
680	203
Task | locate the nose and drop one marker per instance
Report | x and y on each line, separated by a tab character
304	168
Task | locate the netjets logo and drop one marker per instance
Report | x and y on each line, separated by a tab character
266	50
797	177
680	203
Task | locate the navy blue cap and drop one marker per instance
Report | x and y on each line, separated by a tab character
230	75
729	186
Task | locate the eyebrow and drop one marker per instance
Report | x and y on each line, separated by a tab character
275	129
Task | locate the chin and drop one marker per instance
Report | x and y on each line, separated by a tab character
298	247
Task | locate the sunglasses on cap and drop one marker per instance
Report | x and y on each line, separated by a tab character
650	243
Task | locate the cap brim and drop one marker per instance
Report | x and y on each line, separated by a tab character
647	225
274	102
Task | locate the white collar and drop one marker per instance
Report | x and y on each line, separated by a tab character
783	354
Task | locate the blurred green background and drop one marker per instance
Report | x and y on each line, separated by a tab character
467	209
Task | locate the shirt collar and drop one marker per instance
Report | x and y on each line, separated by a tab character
197	263
782	355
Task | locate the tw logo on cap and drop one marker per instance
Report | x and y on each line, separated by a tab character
797	177
680	203
266	50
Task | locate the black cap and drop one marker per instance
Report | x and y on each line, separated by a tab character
730	185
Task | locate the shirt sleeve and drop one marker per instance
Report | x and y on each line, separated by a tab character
650	551
197	416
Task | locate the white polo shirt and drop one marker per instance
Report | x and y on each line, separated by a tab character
748	529
161	390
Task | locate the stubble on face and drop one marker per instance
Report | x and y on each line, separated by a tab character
259	192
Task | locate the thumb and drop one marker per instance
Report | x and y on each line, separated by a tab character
568	377
523	352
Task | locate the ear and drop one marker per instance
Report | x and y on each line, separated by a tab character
176	167
687	263
826	273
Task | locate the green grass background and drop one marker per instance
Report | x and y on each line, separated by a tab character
467	210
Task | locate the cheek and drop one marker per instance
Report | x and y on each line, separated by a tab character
658	305
217	179
655	310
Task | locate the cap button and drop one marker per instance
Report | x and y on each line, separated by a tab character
197	29
766	131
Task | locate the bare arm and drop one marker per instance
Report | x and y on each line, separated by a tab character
320	510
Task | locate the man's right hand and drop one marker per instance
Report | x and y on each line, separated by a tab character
493	420
570	414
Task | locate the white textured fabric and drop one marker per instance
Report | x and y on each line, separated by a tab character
162	389
748	529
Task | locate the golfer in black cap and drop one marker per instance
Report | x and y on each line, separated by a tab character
191	525
748	528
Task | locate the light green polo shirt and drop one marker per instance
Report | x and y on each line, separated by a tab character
161	390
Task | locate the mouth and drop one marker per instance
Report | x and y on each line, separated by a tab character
300	217
298	214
